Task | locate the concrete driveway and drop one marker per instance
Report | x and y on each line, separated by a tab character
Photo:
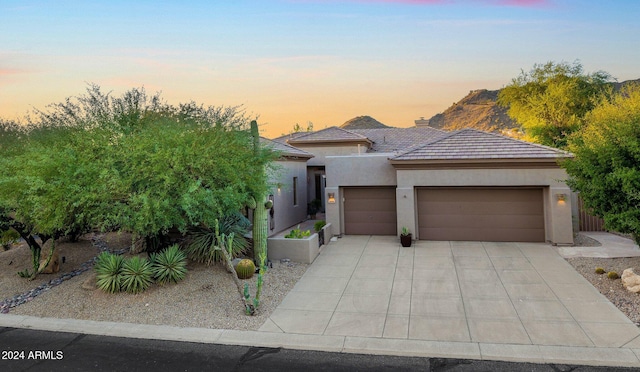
520	301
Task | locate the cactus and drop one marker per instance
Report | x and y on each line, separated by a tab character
245	268
600	270
260	219
613	275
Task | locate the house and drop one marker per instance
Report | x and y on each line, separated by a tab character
289	186
462	185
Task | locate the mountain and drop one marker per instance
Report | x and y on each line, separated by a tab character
479	110
363	122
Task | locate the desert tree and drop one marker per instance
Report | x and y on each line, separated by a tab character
606	166
550	101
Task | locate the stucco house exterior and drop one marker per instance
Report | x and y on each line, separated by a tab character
289	186
462	185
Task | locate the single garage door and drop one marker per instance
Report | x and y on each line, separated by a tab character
370	210
481	214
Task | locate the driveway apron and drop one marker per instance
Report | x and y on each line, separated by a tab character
477	292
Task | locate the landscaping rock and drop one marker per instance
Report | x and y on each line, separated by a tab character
53	266
90	283
631	280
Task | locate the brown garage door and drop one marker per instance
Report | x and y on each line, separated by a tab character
481	214
370	210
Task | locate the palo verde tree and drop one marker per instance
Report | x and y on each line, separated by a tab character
131	163
606	167
551	101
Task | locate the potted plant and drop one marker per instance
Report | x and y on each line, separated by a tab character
314	207
405	237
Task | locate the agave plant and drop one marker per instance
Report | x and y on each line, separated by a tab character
109	272
203	239
169	265
137	274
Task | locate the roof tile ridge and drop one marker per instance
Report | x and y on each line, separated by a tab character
522	141
283	144
425	144
355	134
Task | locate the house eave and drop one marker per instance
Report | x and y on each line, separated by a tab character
288	157
525	163
336	142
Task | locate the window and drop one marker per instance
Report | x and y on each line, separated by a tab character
295	191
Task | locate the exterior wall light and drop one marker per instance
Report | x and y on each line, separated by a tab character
332	198
561	198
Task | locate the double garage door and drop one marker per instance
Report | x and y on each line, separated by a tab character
513	214
481	214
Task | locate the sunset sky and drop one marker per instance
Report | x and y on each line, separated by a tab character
295	61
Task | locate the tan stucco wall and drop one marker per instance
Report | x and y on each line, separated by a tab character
297	250
360	170
558	221
320	153
285	213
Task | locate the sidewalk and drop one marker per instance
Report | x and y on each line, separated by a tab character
613	246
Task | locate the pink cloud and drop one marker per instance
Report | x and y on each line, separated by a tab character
9	72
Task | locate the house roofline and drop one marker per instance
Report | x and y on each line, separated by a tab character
316	143
523	163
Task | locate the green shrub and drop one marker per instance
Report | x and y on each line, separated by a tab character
319	225
613	275
109	272
8	238
298	234
600	270
170	265
202	240
137	274
245	268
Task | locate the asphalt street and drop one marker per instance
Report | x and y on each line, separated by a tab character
33	350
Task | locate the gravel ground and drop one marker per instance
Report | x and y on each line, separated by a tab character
627	302
206	298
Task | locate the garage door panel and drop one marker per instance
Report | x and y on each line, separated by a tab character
481	214
370	210
511	221
507	235
370	217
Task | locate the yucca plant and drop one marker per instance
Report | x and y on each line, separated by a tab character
137	274
109	272
170	265
202	240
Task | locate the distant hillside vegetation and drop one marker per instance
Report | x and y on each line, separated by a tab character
479	110
363	122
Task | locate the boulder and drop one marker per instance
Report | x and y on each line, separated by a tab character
53	266
631	280
90	283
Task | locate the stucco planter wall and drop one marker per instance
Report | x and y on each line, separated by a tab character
297	250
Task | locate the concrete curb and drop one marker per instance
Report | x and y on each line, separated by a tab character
623	357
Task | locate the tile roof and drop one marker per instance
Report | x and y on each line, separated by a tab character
331	134
474	144
398	139
284	149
